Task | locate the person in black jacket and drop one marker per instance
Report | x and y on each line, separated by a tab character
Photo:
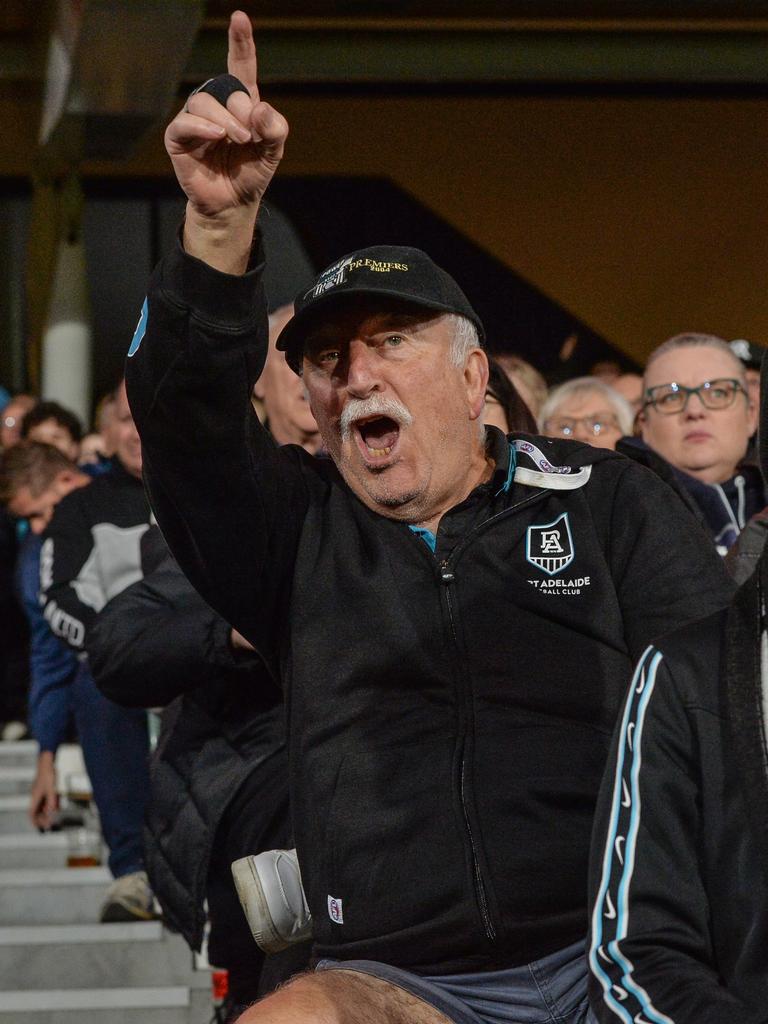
679	872
680	920
453	613
219	776
91	551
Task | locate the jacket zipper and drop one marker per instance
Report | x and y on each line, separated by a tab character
448	577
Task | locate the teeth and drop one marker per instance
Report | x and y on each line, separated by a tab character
379	451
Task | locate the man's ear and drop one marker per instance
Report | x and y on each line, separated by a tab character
66	480
476	381
258	388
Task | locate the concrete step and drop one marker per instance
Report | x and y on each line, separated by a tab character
23	752
56	896
70	956
34	1011
158	1005
13	814
16	779
33	850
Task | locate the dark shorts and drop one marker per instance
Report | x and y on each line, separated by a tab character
552	990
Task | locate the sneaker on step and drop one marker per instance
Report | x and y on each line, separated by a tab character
12	732
272	898
129	898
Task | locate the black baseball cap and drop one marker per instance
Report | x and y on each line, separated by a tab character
389	271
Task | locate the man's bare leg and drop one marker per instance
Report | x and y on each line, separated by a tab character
341	997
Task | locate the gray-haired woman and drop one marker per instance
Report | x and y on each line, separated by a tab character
586	409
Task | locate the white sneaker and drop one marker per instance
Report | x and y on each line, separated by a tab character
272	898
129	898
13	731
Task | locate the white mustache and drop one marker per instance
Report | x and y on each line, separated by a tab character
376	405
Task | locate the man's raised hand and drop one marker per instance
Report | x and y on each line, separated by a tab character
224	158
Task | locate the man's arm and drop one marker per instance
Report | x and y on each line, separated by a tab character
651	955
130	655
230	505
52	670
52	665
224	157
43	797
71	591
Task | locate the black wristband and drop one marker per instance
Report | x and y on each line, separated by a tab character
221	88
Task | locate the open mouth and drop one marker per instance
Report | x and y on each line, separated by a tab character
377	436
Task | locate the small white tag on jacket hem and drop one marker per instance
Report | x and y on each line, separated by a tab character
335	910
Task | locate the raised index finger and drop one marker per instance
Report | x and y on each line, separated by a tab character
241	56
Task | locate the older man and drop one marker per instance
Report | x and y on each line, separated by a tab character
698	415
453	613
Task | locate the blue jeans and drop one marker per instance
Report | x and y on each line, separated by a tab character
115	744
552	990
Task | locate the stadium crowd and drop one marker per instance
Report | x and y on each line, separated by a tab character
466	648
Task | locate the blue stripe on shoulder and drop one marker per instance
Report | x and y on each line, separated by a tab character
141	329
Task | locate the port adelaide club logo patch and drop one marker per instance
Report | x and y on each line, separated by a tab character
549	547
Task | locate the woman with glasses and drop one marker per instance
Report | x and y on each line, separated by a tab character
586	409
697	415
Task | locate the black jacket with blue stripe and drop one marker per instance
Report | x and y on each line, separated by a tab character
680	921
449	711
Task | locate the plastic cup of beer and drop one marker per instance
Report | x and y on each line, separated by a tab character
81	824
83	847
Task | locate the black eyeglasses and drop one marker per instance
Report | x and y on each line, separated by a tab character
669	399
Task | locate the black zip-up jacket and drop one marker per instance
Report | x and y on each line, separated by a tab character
680	921
92	551
449	713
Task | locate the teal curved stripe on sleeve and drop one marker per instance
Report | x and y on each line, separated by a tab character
141	330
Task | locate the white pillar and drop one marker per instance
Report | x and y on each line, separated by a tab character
66	355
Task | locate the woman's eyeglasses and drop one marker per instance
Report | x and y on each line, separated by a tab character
565	426
669	399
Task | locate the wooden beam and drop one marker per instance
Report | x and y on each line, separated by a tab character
348	50
349	57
